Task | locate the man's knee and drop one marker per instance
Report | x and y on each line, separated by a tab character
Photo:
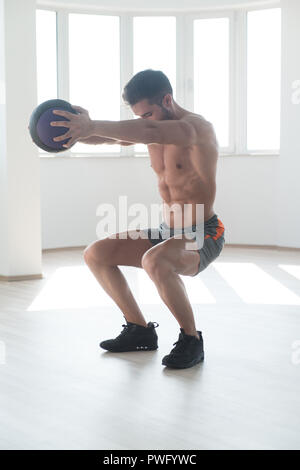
88	254
96	252
154	262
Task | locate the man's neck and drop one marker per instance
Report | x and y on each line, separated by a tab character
178	112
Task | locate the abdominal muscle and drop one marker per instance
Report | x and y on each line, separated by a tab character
187	204
179	214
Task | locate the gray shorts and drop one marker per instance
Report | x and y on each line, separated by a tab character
212	238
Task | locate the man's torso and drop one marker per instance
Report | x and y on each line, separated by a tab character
179	183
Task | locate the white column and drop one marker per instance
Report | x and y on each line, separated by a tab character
289	161
20	224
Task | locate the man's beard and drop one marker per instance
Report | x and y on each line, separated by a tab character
166	113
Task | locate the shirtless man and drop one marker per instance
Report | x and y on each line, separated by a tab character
183	151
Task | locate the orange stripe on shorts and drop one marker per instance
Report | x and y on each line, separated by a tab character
219	229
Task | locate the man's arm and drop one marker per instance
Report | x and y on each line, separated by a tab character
177	132
95	140
181	132
134	131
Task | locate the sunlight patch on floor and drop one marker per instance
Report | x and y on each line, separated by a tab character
254	286
197	291
292	269
76	287
71	287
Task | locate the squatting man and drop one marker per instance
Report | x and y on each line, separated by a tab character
183	152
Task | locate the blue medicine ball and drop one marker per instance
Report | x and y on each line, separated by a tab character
40	130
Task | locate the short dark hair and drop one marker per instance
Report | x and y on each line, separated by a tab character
147	84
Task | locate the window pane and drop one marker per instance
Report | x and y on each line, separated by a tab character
263	78
154	43
46	55
211	74
95	70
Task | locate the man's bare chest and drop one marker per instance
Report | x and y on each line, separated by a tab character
166	158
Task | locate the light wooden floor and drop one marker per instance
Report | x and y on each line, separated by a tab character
58	390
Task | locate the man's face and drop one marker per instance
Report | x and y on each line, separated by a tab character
145	110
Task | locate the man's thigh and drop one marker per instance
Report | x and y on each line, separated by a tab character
191	262
174	250
189	256
124	248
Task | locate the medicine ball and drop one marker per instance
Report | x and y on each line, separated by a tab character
40	130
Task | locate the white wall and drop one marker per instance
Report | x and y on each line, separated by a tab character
3	161
288	216
73	188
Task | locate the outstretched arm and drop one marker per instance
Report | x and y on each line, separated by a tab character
177	132
133	131
136	131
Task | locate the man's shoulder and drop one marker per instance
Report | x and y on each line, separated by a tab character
196	119
202	126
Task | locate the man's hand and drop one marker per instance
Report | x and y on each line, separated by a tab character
80	125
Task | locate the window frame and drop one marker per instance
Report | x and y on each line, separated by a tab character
184	67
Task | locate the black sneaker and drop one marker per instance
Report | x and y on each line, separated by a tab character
188	351
133	338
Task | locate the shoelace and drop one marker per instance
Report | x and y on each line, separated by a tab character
179	345
126	327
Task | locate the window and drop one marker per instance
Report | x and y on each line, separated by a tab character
211	74
222	65
154	47
263	80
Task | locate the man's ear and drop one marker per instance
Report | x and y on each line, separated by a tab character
167	100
